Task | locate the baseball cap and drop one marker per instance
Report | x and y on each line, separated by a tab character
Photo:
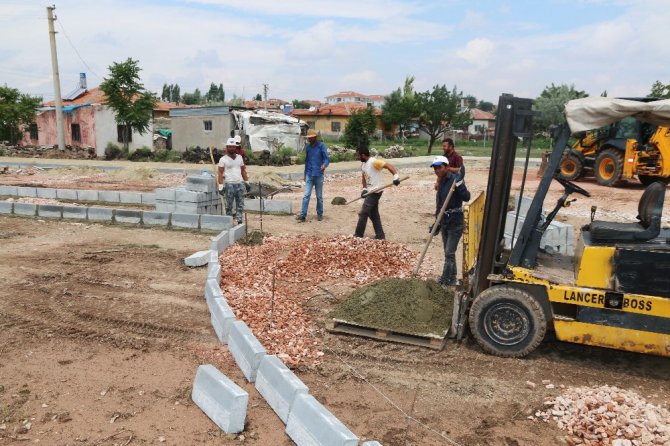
439	160
231	142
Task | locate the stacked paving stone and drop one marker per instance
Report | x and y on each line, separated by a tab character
198	196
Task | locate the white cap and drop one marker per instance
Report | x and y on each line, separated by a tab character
231	142
439	160
238	139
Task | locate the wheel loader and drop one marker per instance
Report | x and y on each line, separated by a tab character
613	292
619	151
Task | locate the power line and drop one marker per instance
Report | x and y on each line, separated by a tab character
60	23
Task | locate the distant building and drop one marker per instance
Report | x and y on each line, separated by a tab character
200	127
331	119
351	96
483	123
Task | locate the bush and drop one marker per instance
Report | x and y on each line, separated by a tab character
167	156
141	154
113	152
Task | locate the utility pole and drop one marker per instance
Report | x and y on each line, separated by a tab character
265	97
60	127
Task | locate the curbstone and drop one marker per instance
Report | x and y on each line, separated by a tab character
155	218
50	211
127	216
46	192
165	206
101	214
130	197
199	258
24	191
148	198
269	206
212	289
237	232
6	207
66	194
164	194
108	196
372	443
214	271
246	349
77	212
223	401
278	385
220	242
215	222
8	190
309	423
222	318
200	183
87	195
28	209
183	195
190	221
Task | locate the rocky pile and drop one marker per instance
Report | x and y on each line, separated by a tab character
396	151
607	415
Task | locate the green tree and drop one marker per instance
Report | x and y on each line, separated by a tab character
399	107
165	94
194	98
16	109
470	101
175	95
551	104
659	90
361	126
258	97
300	104
133	105
215	93
486	106
440	111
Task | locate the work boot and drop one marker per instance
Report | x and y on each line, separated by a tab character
320	217
300	219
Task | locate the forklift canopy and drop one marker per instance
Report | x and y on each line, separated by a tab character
595	112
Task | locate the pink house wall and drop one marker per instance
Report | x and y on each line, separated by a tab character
47	133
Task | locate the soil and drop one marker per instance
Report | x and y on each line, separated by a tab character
103	328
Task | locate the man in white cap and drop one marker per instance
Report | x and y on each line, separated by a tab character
233	180
316	162
451	223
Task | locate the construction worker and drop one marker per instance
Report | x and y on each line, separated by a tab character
451	223
233	180
316	162
372	178
455	158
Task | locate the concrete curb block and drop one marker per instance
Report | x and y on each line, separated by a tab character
200	258
130	197
46	192
101	214
8	190
66	194
109	196
214	271
127	216
6	207
75	212
155	218
236	233
246	349
50	211
27	209
309	423
212	289
269	206
372	443
188	221
215	222
148	198
220	242
278	385
222	318
87	195
24	191
223	401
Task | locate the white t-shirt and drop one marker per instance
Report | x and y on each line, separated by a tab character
372	169
232	169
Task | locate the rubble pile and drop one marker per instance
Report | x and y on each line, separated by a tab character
607	415
396	151
70	152
266	285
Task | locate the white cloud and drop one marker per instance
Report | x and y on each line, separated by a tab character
477	52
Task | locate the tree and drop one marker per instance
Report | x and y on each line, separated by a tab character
258	97
659	90
439	112
192	98
551	104
470	101
165	95
361	126
133	105
300	104
400	106
16	109
486	106
175	94
215	93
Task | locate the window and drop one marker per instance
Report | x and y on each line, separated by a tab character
76	132
32	128
119	133
335	127
208	125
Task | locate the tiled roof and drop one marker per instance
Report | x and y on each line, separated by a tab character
478	114
347	94
340	109
96	96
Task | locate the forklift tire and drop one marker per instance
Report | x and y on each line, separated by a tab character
646	180
571	168
609	167
507	321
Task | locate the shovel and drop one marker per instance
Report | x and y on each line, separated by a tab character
374	191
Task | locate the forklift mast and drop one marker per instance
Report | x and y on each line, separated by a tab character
514	121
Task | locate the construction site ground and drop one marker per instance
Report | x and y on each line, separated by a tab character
103	328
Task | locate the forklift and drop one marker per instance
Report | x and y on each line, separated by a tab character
614	292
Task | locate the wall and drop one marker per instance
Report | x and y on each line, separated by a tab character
48	135
106	132
189	131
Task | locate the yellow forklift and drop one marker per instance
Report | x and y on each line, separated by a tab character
614	292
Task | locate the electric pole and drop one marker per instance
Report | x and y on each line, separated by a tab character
265	97
60	128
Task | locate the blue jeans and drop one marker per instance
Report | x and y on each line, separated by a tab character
317	183
235	192
451	231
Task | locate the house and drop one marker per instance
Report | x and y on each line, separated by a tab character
87	122
271	104
200	127
351	96
331	119
483	123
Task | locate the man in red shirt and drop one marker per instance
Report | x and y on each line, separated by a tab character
455	159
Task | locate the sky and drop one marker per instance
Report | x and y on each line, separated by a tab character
312	49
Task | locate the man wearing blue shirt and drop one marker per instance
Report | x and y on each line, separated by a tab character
316	161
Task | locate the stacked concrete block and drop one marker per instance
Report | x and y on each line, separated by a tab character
164	199
557	238
309	423
77	212
246	349
278	385
50	211
223	401
198	196
270	206
27	209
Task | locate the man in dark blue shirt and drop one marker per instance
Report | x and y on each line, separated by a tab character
451	223
316	162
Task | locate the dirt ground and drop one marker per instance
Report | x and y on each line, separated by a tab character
103	328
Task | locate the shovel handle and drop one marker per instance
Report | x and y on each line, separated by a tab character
374	191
